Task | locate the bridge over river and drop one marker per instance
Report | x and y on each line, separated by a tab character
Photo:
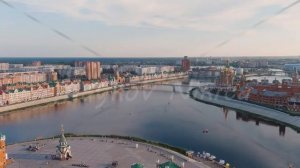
175	87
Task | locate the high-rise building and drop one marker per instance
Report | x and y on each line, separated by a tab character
4	66
51	76
3	154
93	70
185	64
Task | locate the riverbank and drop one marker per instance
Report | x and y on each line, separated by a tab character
12	107
265	112
97	150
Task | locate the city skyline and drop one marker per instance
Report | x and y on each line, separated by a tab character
149	29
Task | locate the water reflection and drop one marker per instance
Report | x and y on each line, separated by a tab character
246	117
32	112
156	113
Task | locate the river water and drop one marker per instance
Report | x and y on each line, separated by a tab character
157	113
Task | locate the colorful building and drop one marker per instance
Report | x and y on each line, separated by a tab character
18	93
67	87
91	85
3	154
21	77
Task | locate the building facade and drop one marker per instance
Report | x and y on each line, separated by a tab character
145	70
36	63
22	77
185	64
226	77
67	87
4	66
281	96
23	93
71	72
93	70
91	85
3	154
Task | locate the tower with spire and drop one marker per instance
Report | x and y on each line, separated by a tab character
63	151
295	77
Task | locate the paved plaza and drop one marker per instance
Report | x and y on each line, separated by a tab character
95	152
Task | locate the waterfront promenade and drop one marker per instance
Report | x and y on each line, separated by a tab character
96	152
204	96
7	108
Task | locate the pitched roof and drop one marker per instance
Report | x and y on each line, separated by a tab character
137	165
168	164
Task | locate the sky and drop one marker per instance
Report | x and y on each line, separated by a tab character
143	28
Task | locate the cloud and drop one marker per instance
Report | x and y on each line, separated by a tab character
202	15
216	21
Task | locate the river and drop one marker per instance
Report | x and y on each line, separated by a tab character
157	113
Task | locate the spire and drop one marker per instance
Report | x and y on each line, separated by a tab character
62	140
295	76
227	63
62	129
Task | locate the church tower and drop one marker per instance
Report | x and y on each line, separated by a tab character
295	77
63	149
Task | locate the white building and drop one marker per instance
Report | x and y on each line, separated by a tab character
145	70
127	68
165	69
71	72
4	66
291	67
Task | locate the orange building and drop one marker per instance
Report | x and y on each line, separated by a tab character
284	96
93	70
52	76
28	77
3	154
280	96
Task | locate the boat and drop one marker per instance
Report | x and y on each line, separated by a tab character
205	131
73	95
212	157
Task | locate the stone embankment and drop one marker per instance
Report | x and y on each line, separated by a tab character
279	116
79	94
